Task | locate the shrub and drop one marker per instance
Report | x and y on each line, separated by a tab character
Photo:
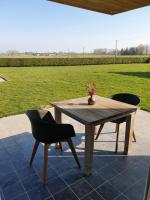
23	62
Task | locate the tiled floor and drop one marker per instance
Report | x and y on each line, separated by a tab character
115	177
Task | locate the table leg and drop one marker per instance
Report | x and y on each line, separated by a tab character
129	132
89	144
58	117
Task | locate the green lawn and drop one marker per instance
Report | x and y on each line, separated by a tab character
35	87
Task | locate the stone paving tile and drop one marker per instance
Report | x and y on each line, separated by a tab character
51	173
56	185
50	198
107	172
108	191
71	162
72	176
40	193
95	180
8	179
136	192
20	163
122	164
128	178
6	167
31	182
66	194
22	197
81	188
26	172
61	166
93	196
121	197
12	190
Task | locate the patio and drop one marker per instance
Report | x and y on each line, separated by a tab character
114	176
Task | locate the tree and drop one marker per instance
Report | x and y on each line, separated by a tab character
141	49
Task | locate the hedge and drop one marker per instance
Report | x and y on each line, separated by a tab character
23	62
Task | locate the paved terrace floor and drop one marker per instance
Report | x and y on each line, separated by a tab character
115	177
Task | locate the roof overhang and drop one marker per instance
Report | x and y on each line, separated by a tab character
110	7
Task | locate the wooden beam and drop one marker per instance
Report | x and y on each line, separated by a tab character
110	7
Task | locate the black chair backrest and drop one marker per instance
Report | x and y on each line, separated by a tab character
39	119
127	98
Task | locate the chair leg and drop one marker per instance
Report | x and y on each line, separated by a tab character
116	130
46	147
59	146
70	143
117	136
34	151
99	131
134	138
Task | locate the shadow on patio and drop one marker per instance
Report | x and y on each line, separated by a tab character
114	176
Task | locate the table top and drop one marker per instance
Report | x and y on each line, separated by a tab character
104	109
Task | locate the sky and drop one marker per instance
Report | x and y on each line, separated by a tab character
43	26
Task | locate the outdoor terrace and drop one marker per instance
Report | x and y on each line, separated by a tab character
115	177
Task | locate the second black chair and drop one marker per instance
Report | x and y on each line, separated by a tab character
46	130
126	98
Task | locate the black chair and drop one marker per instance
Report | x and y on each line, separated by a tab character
126	98
46	130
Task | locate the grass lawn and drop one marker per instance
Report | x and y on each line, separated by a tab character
36	87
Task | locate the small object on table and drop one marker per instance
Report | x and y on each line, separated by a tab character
91	87
91	100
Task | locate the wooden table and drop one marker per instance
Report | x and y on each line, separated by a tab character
104	110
